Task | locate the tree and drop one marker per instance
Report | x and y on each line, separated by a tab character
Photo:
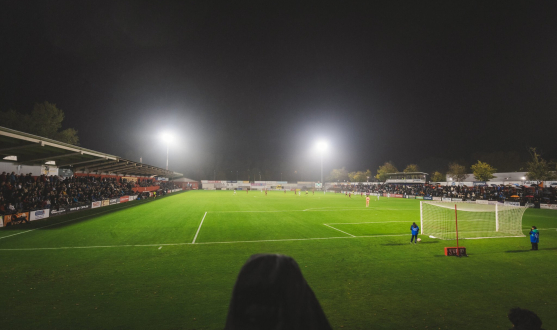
411	168
45	120
483	171
538	168
359	176
457	172
384	169
338	174
438	177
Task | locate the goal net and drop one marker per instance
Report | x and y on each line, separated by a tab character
473	220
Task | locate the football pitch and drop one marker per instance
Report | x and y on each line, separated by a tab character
171	263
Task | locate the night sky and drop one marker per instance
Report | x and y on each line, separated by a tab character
253	85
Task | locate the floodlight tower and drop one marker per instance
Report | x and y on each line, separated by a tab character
322	147
167	138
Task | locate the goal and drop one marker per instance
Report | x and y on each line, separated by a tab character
473	221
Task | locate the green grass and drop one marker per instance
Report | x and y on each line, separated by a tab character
135	267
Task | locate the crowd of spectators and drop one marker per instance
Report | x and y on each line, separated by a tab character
24	192
524	194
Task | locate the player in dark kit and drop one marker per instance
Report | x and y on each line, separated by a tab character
415	229
534	238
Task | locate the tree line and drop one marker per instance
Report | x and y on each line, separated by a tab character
538	169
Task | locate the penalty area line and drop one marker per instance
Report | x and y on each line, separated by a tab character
198	229
339	230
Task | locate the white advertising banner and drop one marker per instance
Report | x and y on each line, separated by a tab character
545	206
481	202
1	221
512	203
94	205
436	198
39	214
445	199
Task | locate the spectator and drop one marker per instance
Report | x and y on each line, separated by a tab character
271	293
523	319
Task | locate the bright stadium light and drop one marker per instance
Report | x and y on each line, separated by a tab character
167	138
322	146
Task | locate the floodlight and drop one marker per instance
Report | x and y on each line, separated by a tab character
167	137
322	146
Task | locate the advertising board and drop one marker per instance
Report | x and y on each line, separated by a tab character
113	201
94	205
16	219
105	202
39	214
60	211
481	202
512	203
124	199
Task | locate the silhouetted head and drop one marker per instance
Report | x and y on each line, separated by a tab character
524	319
271	293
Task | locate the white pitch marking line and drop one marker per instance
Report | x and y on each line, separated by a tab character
338	230
206	243
306	210
198	229
359	223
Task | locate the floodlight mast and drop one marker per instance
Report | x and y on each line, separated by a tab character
167	138
322	146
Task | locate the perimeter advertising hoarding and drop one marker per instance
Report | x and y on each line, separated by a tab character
446	199
512	203
420	197
94	205
60	211
1	221
39	214
428	198
79	208
105	202
436	198
545	206
397	195
124	199
114	201
132	198
481	202
411	196
16	219
492	202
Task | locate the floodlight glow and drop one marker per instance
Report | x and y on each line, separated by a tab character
322	146
167	137
523	178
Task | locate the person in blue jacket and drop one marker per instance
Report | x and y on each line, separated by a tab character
534	237
415	229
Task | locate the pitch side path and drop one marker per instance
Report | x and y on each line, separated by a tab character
172	263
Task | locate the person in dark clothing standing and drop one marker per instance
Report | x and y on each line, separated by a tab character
415	229
271	293
534	237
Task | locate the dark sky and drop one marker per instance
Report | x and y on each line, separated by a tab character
255	84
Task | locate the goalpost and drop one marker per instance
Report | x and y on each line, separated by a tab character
474	221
